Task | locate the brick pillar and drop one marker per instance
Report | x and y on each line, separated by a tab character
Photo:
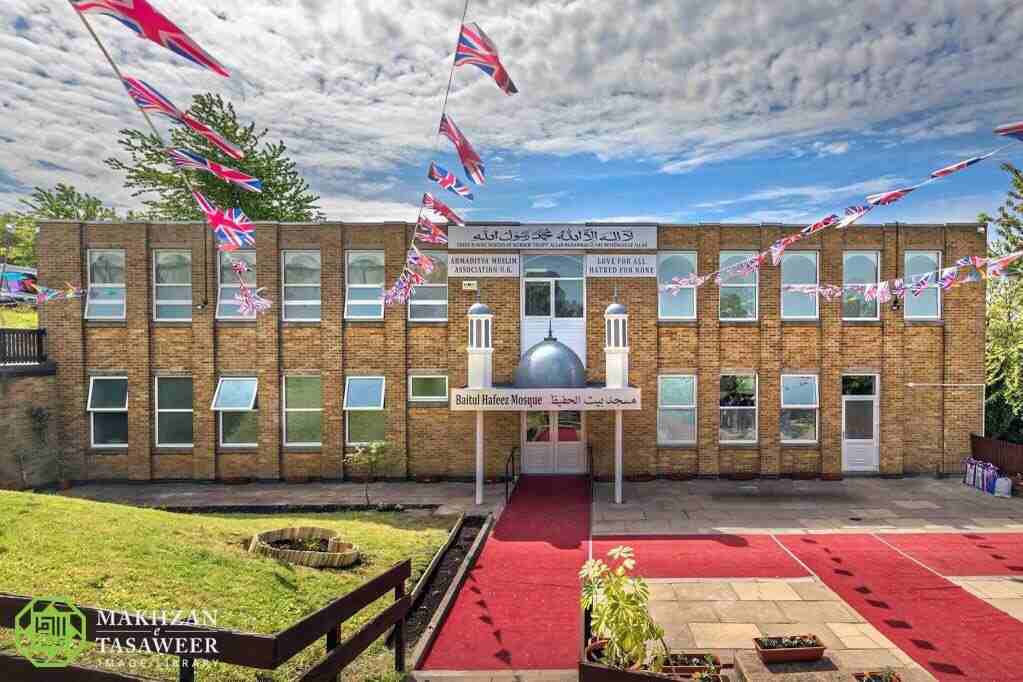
709	357
769	398
268	349
831	358
331	342
137	353
395	349
893	378
462	425
204	372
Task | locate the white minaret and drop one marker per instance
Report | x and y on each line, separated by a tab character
616	355
481	373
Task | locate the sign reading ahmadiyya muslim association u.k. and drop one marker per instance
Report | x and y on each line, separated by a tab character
621	265
483	265
553	236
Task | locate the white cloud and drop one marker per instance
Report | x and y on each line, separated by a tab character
831	149
548	200
817	194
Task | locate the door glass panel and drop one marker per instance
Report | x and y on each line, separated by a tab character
568	298
570	427
538	427
858	385
538	299
859	420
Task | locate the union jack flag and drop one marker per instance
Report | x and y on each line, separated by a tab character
923	282
187	159
819	225
418	259
449	181
778	248
948	170
430	233
891	196
1011	129
471	161
852	214
996	266
231	227
147	22
440	208
474	47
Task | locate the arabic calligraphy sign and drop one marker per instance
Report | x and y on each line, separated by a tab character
555	236
556	399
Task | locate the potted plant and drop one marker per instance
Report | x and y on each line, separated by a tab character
694	666
886	675
789	649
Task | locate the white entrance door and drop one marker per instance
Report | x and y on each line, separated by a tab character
553	443
861	449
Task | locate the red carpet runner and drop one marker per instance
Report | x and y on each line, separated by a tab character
519	607
964	554
704	556
953	634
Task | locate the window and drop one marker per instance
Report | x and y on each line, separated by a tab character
428	388
365	419
676	409
174	412
926	306
105	296
799	404
228	288
738	408
859	267
235	403
555	286
429	300
108	411
737	293
301	282
682	305
303	410
799	267
364	295
172	286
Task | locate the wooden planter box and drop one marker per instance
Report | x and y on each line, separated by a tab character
590	671
790	655
688	670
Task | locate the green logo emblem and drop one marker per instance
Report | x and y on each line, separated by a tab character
50	632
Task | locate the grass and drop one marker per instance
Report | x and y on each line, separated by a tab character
18	317
120	557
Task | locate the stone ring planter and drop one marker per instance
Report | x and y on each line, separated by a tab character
338	555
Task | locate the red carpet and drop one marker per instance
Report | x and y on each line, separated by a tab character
705	556
519	607
953	634
965	554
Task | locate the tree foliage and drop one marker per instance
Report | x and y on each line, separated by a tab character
18	245
64	202
150	175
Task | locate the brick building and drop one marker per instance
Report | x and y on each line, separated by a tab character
735	380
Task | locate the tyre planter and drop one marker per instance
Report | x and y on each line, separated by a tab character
339	554
789	654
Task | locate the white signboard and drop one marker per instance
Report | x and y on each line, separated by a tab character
554	236
621	265
483	265
557	399
469	285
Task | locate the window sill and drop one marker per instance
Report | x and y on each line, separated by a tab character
304	449
801	446
925	323
429	403
172	323
738	446
861	323
428	323
377	321
238	450
301	323
172	449
800	323
678	323
105	323
678	446
235	323
108	450
738	323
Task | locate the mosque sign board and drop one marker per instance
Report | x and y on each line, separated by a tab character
621	265
552	236
547	399
483	265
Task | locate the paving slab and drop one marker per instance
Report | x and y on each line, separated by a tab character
724	635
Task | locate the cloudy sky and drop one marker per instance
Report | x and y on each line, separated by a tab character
660	110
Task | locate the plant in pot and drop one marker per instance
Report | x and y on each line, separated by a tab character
706	667
789	649
886	675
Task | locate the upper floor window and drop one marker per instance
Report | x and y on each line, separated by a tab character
554	286
737	293
301	282
799	267
680	305
108	412
800	402
860	267
105	296
926	306
676	409
364	293
228	287
174	412
172	285
738	408
429	302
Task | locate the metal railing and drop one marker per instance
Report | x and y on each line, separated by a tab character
22	346
589	471
511	473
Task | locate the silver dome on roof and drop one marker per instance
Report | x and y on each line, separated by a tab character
478	308
616	308
550	364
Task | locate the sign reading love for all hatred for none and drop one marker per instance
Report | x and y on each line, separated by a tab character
555	236
621	265
551	399
483	265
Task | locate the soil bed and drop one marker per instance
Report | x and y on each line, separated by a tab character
318	545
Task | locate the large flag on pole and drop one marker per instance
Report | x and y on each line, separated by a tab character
448	181
474	47
471	161
189	160
440	208
231	227
147	22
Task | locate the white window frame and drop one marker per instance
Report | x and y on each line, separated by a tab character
755	408
725	285
347	409
89	285
285	410
157	285
220	411
431	399
234	287
552	285
348	259
816	296
877	263
910	278
816	407
157	410
285	286
93	410
694	407
664	255
412	303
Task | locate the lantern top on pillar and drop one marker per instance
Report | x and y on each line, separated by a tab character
479	308
616	308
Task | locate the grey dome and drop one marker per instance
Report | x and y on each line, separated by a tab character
478	308
616	308
550	364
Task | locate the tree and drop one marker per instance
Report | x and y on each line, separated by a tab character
150	174
64	202
18	243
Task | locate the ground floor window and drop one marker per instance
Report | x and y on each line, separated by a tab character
428	388
303	410
738	405
365	418
235	403
174	412
676	409
108	411
800	403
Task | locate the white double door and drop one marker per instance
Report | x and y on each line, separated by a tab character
553	443
861	445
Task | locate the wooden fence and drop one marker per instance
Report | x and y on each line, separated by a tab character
265	652
22	346
1008	457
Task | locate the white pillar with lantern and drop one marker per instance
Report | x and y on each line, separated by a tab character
616	354
481	374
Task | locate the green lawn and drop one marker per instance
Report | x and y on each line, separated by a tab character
18	317
121	557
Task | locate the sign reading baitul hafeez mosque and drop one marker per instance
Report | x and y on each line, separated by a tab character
495	399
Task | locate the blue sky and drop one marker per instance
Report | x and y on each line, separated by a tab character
628	110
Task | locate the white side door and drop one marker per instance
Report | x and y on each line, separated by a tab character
537	443
570	444
861	449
